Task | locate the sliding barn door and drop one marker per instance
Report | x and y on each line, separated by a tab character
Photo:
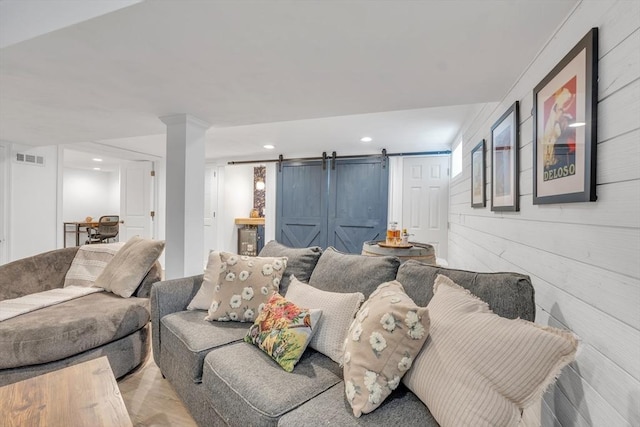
357	203
301	205
341	205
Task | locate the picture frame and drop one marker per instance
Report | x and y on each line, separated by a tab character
565	127
505	166
478	176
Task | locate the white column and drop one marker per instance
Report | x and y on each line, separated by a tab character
184	195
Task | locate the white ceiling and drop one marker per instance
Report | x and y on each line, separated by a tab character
306	76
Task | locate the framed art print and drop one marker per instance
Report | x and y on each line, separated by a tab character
564	127
504	161
478	176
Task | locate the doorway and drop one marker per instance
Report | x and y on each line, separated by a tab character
94	185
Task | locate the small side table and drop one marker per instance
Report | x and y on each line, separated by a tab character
250	236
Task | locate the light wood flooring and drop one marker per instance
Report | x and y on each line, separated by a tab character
150	399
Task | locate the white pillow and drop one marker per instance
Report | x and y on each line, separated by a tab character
89	262
204	296
338	311
494	367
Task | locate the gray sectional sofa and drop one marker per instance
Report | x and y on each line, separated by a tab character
226	381
95	325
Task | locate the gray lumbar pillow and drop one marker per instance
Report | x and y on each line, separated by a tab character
129	265
341	272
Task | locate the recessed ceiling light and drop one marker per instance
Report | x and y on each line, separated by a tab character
577	124
97	159
366	139
96	169
269	146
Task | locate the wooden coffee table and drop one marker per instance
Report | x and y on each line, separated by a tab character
81	395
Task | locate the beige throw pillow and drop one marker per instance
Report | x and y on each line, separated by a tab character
383	340
204	296
495	367
89	262
338	310
244	286
129	266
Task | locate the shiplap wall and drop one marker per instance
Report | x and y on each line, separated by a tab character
583	258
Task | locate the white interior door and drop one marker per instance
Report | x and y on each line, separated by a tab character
210	204
135	200
425	200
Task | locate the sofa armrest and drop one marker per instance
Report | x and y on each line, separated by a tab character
36	273
168	297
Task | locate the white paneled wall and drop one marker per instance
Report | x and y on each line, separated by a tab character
583	258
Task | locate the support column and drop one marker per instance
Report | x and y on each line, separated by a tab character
184	195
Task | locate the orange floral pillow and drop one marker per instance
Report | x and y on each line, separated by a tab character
283	330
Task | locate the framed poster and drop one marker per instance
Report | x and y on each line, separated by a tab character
504	161
478	177
564	127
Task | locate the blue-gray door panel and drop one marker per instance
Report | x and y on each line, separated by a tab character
301	205
357	208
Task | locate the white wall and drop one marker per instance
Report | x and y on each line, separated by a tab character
235	201
32	203
583	258
89	193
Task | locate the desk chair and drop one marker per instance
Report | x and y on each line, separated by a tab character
108	227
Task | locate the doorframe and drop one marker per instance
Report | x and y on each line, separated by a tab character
109	151
5	193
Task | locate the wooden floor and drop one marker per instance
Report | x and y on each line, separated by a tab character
150	399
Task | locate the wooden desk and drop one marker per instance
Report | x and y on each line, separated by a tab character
76	229
81	395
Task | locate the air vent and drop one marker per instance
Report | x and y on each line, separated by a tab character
30	159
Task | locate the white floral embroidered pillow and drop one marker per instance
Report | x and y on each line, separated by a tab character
388	332
244	286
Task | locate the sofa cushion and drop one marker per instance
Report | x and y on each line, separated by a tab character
244	286
72	327
401	408
495	367
283	330
251	389
189	338
300	262
340	272
509	295
385	337
338	309
129	266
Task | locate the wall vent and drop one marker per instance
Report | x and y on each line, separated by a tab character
30	159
